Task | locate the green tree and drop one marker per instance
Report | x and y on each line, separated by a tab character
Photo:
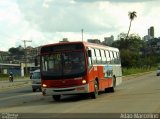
126	58
131	15
13	51
17	52
133	42
130	50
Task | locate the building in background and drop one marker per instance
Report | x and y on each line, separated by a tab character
146	38
108	40
4	57
64	40
94	41
151	32
16	63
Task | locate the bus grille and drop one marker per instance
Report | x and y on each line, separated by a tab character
63	90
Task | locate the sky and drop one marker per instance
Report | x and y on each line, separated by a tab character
49	21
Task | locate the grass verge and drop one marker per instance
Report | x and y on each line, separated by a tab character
131	71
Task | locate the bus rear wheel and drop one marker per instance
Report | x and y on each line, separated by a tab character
56	97
94	94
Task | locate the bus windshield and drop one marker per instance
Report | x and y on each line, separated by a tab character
63	65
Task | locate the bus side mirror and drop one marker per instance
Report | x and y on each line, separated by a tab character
89	53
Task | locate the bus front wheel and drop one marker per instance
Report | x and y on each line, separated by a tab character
56	97
95	93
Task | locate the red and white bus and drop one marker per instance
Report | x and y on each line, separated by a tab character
78	68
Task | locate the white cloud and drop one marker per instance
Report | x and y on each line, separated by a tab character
48	21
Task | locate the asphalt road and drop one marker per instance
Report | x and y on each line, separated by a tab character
135	95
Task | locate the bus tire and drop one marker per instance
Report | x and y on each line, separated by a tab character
107	90
33	90
40	89
94	94
56	97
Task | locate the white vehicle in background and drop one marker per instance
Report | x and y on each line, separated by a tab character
36	80
158	71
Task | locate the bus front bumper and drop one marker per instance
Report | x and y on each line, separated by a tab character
66	91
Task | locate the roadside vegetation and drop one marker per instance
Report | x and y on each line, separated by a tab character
131	71
137	55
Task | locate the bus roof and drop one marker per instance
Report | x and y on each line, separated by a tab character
86	44
100	46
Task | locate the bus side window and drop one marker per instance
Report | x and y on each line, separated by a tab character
103	56
98	56
89	53
108	57
93	56
115	58
111	56
118	58
113	61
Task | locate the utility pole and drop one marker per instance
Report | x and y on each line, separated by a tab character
26	54
82	34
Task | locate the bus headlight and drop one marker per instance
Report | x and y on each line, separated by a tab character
44	85
84	81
